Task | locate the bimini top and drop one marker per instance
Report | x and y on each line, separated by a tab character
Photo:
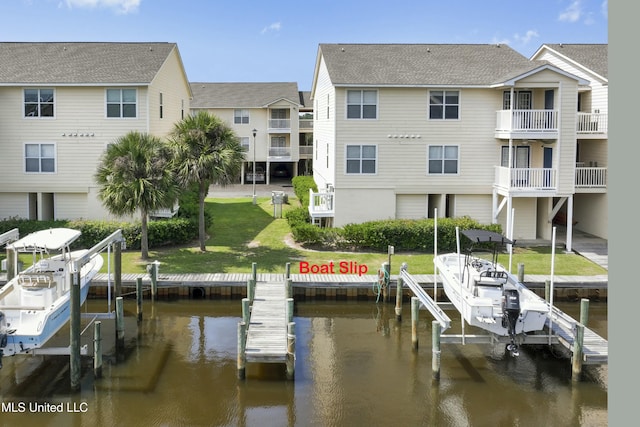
52	239
481	236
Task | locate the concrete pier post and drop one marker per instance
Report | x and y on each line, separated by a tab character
436	331
415	307
97	349
291	350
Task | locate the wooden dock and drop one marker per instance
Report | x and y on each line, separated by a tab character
595	349
267	331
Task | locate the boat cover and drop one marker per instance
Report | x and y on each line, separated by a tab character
50	239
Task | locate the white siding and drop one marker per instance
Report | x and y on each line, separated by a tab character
476	206
14	205
411	206
360	205
71	206
324	129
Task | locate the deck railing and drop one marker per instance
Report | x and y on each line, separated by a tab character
527	120
321	204
279	123
305	124
526	178
280	151
591	177
592	123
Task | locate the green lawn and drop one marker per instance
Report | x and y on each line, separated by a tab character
243	233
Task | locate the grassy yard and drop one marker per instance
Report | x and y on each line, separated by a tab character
242	234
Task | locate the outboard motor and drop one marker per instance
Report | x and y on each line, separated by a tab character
510	314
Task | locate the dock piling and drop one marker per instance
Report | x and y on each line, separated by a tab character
520	272
385	286
119	323
584	311
75	367
436	330
97	349
415	307
399	299
576	357
291	350
139	298
242	361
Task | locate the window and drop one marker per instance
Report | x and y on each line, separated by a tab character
362	104
240	116
38	103
443	159
121	103
161	106
39	158
361	159
444	104
244	143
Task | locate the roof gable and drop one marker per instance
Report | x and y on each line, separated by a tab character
242	95
63	63
421	64
592	57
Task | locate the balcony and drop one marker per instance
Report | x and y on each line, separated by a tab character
279	125
305	125
592	125
306	151
527	124
321	205
591	179
279	153
526	179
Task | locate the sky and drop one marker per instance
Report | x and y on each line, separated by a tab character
266	41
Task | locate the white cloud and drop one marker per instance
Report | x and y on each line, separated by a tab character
572	13
120	6
276	26
528	36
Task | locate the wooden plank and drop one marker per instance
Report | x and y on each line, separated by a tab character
267	332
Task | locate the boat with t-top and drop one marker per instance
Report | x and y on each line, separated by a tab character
485	293
36	302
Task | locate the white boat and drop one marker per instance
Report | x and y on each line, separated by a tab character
486	294
35	303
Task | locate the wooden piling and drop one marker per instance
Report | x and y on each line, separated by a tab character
291	350
246	310
436	331
287	270
11	264
415	307
75	363
119	323
154	280
117	268
139	298
97	349
385	285
254	271
576	357
289	309
242	360
584	311
520	272
289	285
547	290
399	299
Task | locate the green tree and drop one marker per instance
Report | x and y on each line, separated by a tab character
206	151
135	174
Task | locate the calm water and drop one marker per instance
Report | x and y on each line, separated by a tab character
354	367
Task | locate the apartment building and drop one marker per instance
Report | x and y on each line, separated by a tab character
271	120
415	130
61	104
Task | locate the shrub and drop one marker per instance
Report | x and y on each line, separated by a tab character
301	186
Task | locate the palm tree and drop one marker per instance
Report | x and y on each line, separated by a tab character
135	174
206	151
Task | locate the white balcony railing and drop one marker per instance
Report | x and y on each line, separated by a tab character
527	121
526	178
591	177
592	123
305	124
321	204
280	124
279	151
306	150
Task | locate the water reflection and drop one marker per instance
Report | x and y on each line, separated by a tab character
354	366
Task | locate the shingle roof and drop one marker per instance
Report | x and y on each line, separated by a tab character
81	63
595	57
241	95
423	64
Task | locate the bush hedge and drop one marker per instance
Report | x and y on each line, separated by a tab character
301	185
